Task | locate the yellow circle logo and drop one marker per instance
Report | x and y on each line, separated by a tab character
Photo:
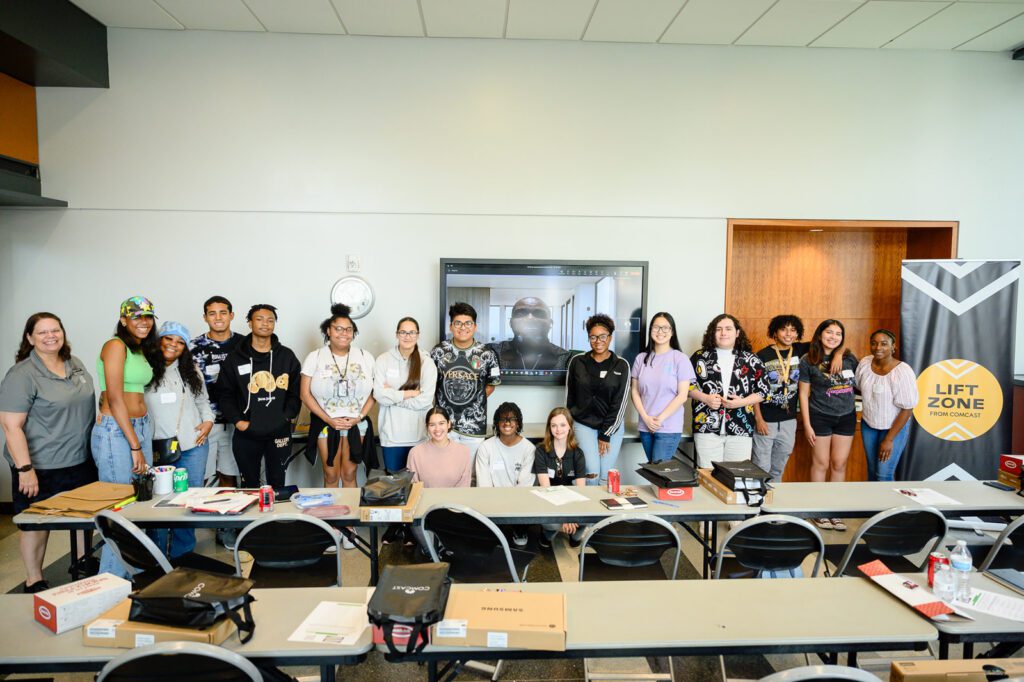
960	400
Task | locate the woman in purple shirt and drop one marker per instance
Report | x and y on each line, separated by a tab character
661	380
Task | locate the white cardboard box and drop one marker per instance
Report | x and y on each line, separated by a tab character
73	605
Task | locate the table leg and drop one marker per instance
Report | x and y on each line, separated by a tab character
327	673
968	650
851	659
432	671
374	556
74	555
943	649
705	532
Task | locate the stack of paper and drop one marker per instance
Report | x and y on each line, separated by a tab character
224	503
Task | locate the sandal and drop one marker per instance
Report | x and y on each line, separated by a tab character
837	524
824	524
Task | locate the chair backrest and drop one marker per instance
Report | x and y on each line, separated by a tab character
1013	533
773	542
194	661
466	536
822	673
631	541
287	541
129	544
898	532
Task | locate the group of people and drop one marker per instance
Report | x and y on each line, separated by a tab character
225	403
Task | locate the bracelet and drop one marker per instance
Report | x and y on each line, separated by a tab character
138	449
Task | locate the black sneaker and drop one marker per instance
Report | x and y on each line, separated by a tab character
519	537
544	542
227	537
36	587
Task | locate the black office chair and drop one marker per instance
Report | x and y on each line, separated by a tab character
821	673
628	547
769	543
1003	555
173	661
891	536
144	560
473	545
288	551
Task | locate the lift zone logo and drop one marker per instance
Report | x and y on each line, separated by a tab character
960	400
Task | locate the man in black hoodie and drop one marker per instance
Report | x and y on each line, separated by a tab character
258	392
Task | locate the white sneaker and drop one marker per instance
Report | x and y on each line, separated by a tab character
346	543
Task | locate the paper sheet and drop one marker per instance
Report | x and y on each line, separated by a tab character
926	496
559	495
995	604
333	622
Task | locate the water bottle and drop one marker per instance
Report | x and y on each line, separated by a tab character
960	562
942	583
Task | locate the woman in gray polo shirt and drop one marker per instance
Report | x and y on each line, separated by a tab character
47	405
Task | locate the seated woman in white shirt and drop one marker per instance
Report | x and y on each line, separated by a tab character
506	460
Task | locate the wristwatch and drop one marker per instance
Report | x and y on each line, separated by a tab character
27	467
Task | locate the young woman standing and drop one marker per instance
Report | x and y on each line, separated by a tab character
889	393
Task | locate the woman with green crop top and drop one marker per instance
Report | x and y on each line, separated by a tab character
122	439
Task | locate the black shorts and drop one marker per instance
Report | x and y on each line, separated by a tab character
53	481
825	425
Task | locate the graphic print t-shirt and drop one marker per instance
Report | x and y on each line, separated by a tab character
462	380
209	355
783	395
340	383
831	394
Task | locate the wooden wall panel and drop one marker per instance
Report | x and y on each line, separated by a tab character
19	138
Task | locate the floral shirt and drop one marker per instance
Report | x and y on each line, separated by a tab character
748	377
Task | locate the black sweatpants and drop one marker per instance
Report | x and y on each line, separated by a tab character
251	451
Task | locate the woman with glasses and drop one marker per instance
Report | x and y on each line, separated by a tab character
595	394
661	380
337	387
404	379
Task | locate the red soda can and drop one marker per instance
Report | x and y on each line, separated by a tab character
266	498
934	559
613	481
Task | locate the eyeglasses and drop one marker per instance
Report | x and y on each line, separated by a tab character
595	338
407	334
540	313
338	329
661	328
464	325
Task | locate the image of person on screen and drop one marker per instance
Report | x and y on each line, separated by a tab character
529	347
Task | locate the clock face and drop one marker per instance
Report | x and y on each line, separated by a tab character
355	292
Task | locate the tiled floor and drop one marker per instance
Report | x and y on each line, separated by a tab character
559	565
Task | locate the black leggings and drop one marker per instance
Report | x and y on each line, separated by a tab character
249	452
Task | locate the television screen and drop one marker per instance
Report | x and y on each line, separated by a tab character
532	313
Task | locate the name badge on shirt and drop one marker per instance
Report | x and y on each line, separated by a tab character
212	370
244	369
497	464
393	372
495	371
794	361
604	373
847	373
167	398
551	473
878	388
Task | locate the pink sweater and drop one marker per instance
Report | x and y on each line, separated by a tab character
441	467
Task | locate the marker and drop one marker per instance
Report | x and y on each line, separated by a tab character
124	503
665	504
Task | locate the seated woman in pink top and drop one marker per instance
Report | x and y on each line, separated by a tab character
440	462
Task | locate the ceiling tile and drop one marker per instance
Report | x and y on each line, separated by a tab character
631	21
1002	38
876	23
120	14
380	17
212	15
464	18
797	22
714	22
296	16
548	19
956	25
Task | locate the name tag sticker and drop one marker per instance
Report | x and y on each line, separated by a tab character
604	373
212	370
168	398
244	369
794	361
848	373
551	473
495	371
393	372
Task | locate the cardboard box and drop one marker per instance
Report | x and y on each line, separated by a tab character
969	670
1012	464
678	494
1006	478
73	605
401	514
114	629
718	489
503	620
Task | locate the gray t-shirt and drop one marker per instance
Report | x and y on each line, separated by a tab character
831	394
60	411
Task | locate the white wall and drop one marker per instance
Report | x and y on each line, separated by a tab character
251	164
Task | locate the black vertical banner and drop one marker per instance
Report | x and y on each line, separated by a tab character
957	327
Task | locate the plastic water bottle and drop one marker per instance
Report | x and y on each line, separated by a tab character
942	584
960	562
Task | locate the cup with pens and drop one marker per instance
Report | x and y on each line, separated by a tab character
143	484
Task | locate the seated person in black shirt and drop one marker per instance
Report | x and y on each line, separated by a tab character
560	461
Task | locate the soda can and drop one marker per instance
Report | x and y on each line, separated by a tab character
180	480
934	559
266	498
613	481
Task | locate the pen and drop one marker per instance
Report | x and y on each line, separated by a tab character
217	499
665	504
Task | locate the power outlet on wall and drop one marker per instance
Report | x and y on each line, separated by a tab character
354	263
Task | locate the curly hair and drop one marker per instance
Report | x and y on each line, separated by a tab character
780	322
186	368
708	342
338	311
600	320
260	306
508	409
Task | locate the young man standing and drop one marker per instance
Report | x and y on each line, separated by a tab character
258	392
467	373
775	417
506	460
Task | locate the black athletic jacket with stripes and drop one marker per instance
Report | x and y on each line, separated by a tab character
595	393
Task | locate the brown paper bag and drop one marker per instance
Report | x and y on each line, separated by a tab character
85	501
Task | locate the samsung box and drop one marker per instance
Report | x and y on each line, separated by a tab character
970	670
722	492
502	620
401	514
114	629
73	605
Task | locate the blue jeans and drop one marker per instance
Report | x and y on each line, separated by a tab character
395	457
113	457
183	540
883	471
596	464
659	446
